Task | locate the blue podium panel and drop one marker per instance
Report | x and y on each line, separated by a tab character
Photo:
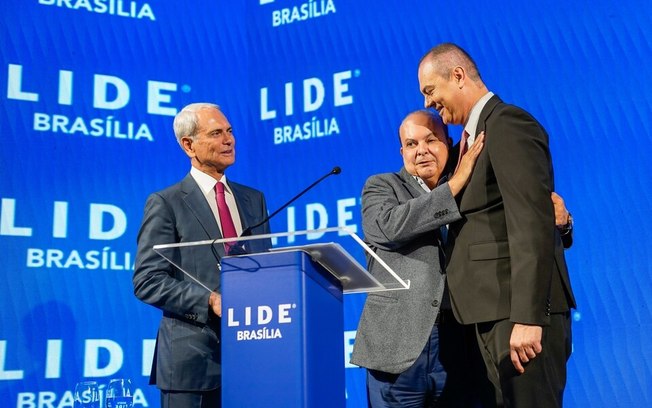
282	325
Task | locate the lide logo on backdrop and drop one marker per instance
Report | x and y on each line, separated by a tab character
109	93
106	222
130	9
257	323
315	91
306	10
101	359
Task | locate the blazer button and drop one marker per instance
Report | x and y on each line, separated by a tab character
435	303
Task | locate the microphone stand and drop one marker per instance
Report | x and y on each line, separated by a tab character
247	231
238	249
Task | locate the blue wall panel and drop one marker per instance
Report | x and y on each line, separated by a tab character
89	90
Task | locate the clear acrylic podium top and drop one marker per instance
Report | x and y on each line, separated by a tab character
338	250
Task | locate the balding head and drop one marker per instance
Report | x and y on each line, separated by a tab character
445	57
424	145
427	118
450	83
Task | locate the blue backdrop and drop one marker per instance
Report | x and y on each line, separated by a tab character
90	88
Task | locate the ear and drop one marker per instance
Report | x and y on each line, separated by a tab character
458	75
186	145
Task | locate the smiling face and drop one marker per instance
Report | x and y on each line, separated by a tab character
443	92
424	146
212	148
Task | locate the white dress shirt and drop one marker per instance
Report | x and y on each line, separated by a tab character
207	185
474	117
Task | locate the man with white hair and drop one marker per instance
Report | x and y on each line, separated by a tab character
202	206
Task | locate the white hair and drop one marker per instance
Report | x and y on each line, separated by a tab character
186	122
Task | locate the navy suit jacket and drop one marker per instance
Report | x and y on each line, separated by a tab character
187	354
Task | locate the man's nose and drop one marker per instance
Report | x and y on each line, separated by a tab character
422	148
427	103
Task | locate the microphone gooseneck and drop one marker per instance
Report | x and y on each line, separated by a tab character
247	231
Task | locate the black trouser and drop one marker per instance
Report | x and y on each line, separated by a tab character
195	399
542	384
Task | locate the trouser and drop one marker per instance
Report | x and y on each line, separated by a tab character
194	399
542	384
438	378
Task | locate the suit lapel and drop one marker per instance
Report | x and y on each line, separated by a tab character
492	103
476	187
196	202
410	183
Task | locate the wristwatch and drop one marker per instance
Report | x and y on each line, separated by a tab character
566	229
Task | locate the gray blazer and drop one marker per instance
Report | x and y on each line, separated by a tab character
187	353
401	223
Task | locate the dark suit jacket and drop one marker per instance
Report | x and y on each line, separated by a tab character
401	222
505	256
187	356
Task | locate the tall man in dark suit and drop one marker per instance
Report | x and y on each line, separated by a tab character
506	268
408	339
186	365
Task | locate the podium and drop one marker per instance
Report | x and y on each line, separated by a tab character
282	318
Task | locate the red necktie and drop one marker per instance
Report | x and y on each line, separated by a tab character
228	228
464	147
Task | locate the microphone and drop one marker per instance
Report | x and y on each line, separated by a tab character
247	231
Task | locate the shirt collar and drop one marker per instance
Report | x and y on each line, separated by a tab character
207	183
422	183
443	179
474	117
